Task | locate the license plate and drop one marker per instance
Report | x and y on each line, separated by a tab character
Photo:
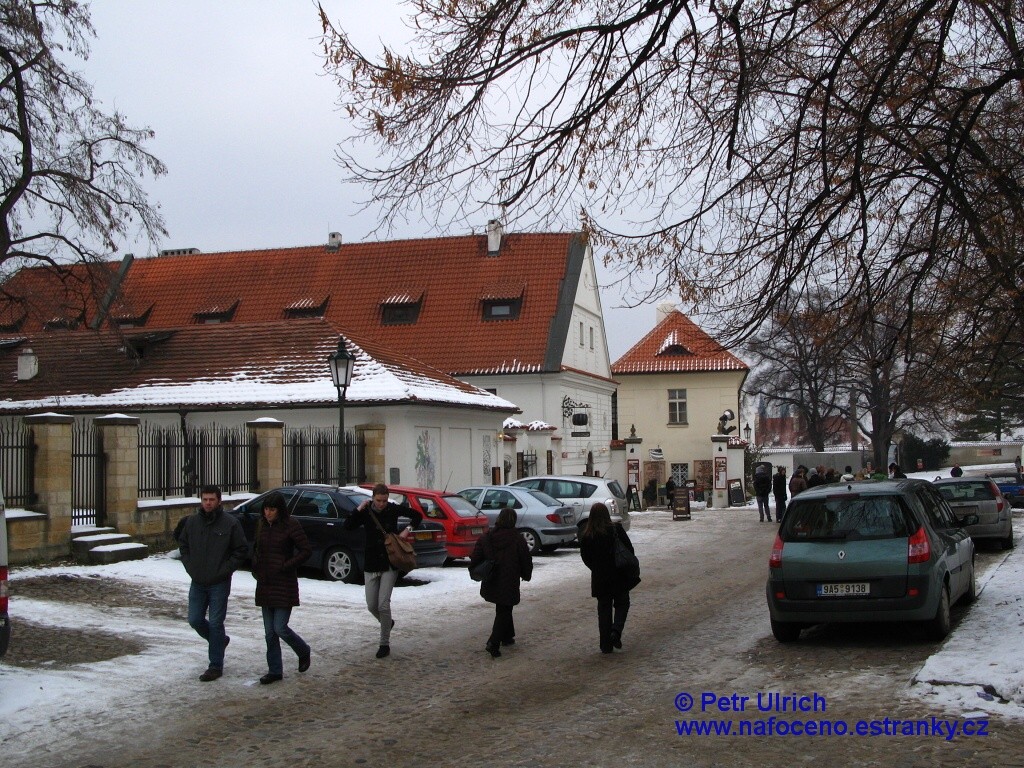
477	531
853	589
424	535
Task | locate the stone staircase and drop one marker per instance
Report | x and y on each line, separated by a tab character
97	546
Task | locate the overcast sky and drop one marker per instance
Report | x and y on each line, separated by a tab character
247	124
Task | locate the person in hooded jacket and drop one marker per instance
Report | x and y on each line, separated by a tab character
512	562
798	482
779	492
281	547
608	584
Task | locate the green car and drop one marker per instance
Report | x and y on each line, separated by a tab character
889	550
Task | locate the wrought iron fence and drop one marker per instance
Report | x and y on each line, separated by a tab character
311	456
17	464
88	484
175	462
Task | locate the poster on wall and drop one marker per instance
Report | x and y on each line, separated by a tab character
428	442
721	473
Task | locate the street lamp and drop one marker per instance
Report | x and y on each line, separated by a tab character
341	362
746	432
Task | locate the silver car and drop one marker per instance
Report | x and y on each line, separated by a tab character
582	492
980	496
544	522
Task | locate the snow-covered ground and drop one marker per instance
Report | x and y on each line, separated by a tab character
980	668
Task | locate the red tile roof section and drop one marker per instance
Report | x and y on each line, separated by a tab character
659	351
453	275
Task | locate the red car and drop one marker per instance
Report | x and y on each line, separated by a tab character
462	521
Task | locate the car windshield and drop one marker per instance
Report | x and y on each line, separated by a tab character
543	498
845	517
970	491
462	507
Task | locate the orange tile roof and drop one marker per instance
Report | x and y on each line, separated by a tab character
450	276
677	345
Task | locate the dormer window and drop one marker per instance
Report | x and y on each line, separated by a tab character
401	308
221	312
673	347
63	323
306	308
129	319
503	302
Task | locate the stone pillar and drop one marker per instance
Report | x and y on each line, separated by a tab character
269	436
376	461
120	436
53	438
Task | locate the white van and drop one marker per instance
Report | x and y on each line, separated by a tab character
5	620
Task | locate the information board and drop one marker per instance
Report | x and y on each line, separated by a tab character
681	505
737	496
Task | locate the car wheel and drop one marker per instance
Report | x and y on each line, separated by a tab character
1007	543
785	631
532	540
972	586
938	627
339	565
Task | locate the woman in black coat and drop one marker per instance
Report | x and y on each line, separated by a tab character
281	547
608	584
512	560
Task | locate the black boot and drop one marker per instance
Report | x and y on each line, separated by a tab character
493	648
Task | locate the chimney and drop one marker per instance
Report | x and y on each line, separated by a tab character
664	310
494	233
28	365
334	241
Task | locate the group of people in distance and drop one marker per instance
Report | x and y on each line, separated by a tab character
213	546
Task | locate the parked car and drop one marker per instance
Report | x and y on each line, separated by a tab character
338	552
5	619
581	492
980	496
463	523
1011	485
888	550
544	522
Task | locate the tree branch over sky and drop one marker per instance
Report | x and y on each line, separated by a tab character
739	151
69	172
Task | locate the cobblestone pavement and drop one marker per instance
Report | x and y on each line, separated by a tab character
698	624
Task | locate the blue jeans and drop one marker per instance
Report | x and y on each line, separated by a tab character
763	510
275	626
212	598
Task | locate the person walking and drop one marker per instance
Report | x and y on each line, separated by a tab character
762	487
779	492
847	476
212	546
798	482
670	491
956	471
608	584
281	547
896	472
379	575
512	563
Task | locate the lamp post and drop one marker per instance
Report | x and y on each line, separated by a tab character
746	432
341	362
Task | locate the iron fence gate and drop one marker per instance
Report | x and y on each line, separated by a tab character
177	463
17	465
88	476
311	456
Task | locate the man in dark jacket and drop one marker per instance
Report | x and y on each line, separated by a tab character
762	487
212	546
512	561
779	492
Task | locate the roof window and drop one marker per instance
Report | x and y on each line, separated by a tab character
401	308
220	312
306	308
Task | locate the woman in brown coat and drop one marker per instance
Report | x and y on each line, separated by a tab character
607	583
281	547
512	562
